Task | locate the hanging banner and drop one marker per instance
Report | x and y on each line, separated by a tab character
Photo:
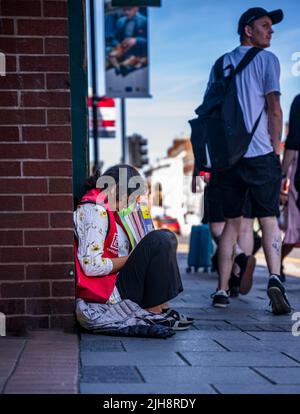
106	115
126	51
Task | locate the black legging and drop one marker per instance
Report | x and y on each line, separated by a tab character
151	277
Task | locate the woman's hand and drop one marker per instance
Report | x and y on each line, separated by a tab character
118	263
284	191
283	198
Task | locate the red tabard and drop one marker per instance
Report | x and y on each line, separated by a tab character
94	288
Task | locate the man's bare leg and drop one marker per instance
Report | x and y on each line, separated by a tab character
226	248
272	247
272	244
285	251
245	239
216	230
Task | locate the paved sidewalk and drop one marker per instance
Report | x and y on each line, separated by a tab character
44	362
242	349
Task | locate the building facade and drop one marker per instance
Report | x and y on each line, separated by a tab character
172	175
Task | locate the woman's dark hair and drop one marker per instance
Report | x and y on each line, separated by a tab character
114	172
91	182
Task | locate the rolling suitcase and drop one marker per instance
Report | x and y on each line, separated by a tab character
200	249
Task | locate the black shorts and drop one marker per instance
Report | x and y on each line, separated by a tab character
213	204
258	178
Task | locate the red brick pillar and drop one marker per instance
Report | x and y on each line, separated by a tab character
36	201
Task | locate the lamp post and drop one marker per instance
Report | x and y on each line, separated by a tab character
94	86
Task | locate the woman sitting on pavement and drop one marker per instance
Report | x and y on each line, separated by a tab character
108	270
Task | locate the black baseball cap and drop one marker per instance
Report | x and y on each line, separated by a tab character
256	13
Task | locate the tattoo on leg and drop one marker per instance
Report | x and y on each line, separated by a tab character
276	244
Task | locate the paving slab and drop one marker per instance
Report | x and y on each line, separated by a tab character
146	388
10	351
10	343
254	389
290	375
214	325
238	359
137	358
250	345
282	346
175	346
275	336
42	362
244	345
99	344
293	353
265	318
110	374
84	337
196	335
206	375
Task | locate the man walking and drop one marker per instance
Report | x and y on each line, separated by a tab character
258	173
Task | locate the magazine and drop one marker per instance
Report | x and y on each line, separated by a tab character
137	222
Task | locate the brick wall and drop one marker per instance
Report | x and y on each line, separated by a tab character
36	201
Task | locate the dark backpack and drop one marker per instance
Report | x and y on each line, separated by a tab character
219	135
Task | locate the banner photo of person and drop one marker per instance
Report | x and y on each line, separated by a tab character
126	51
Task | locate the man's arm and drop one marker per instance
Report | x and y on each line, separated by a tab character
287	159
274	119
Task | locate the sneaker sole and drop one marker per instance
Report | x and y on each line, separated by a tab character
180	328
279	305
247	279
182	322
220	305
182	319
175	325
186	323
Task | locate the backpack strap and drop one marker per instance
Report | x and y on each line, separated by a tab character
256	124
243	63
218	67
247	59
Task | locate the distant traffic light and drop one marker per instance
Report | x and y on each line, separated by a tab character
138	150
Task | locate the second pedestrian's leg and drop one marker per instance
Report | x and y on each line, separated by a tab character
271	241
225	259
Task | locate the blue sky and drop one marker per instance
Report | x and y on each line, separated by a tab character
186	37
